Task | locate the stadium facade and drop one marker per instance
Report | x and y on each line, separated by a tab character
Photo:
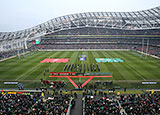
124	24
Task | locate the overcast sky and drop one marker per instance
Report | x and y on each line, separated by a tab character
22	14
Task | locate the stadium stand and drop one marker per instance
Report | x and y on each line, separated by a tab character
102	106
15	52
105	31
122	30
102	42
145	22
34	103
141	103
18	104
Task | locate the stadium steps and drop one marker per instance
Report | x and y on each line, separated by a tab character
77	110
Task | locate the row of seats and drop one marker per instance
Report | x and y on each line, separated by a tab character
131	104
14	52
58	104
33	104
102	106
144	104
104	31
51	41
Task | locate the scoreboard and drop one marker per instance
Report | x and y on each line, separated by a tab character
36	41
33	42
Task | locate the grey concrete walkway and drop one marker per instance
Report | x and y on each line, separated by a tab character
77	110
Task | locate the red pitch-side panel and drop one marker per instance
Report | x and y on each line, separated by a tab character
55	60
62	60
80	76
72	82
87	81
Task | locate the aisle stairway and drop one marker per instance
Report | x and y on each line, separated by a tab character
77	110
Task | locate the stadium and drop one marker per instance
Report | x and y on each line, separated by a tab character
109	53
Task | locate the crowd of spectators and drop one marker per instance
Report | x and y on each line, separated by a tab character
98	84
34	104
14	52
53	84
144	104
7	54
86	46
79	40
94	103
104	31
18	104
132	104
57	105
102	43
103	106
151	50
121	42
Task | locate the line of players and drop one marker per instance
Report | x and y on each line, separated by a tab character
78	67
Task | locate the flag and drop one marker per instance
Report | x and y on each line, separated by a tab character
42	94
118	93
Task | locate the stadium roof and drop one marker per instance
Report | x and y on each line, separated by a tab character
145	19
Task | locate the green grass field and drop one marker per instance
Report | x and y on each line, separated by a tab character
129	74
